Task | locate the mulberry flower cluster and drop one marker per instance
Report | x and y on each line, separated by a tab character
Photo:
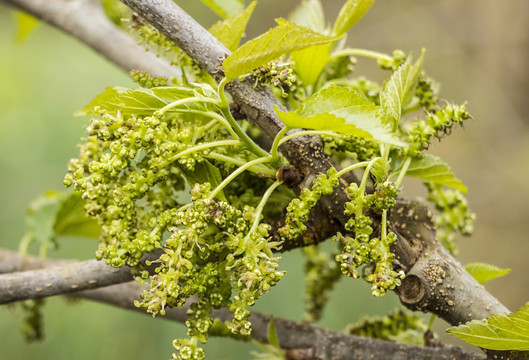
364	248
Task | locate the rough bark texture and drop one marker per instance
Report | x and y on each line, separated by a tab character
320	343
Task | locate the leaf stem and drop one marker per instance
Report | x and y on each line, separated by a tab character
384	226
275	145
360	52
366	174
402	173
237	172
225	108
308	132
182	102
352	167
258	169
202	147
260	207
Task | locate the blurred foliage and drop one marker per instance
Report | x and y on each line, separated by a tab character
478	53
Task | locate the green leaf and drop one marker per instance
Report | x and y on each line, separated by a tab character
204	172
25	24
57	213
429	168
280	40
399	89
341	110
71	219
497	332
351	12
310	62
309	14
323	121
484	272
224	8
272	334
230	31
143	101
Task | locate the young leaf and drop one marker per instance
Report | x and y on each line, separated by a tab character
322	121
142	101
26	24
204	172
341	110
58	213
230	31
309	14
398	90
225	8
351	12
72	220
484	272
272	334
497	332
429	168
310	62
280	40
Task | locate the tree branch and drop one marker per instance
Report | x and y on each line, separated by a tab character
85	20
323	344
56	279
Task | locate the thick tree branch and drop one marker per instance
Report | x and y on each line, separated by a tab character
320	343
85	20
56	279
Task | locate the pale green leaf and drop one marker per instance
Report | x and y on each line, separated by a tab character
309	13
57	213
359	116
497	332
71	219
273	339
230	31
204	172
25	24
351	12
40	218
399	89
280	40
225	8
143	101
310	62
429	168
322	121
485	272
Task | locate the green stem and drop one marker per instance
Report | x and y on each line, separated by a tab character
202	147
182	102
352	167
402	173
26	241
258	169
260	207
225	108
366	174
384	225
275	145
308	132
239	170
360	52
430	323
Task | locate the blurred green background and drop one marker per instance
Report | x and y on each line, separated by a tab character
477	49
